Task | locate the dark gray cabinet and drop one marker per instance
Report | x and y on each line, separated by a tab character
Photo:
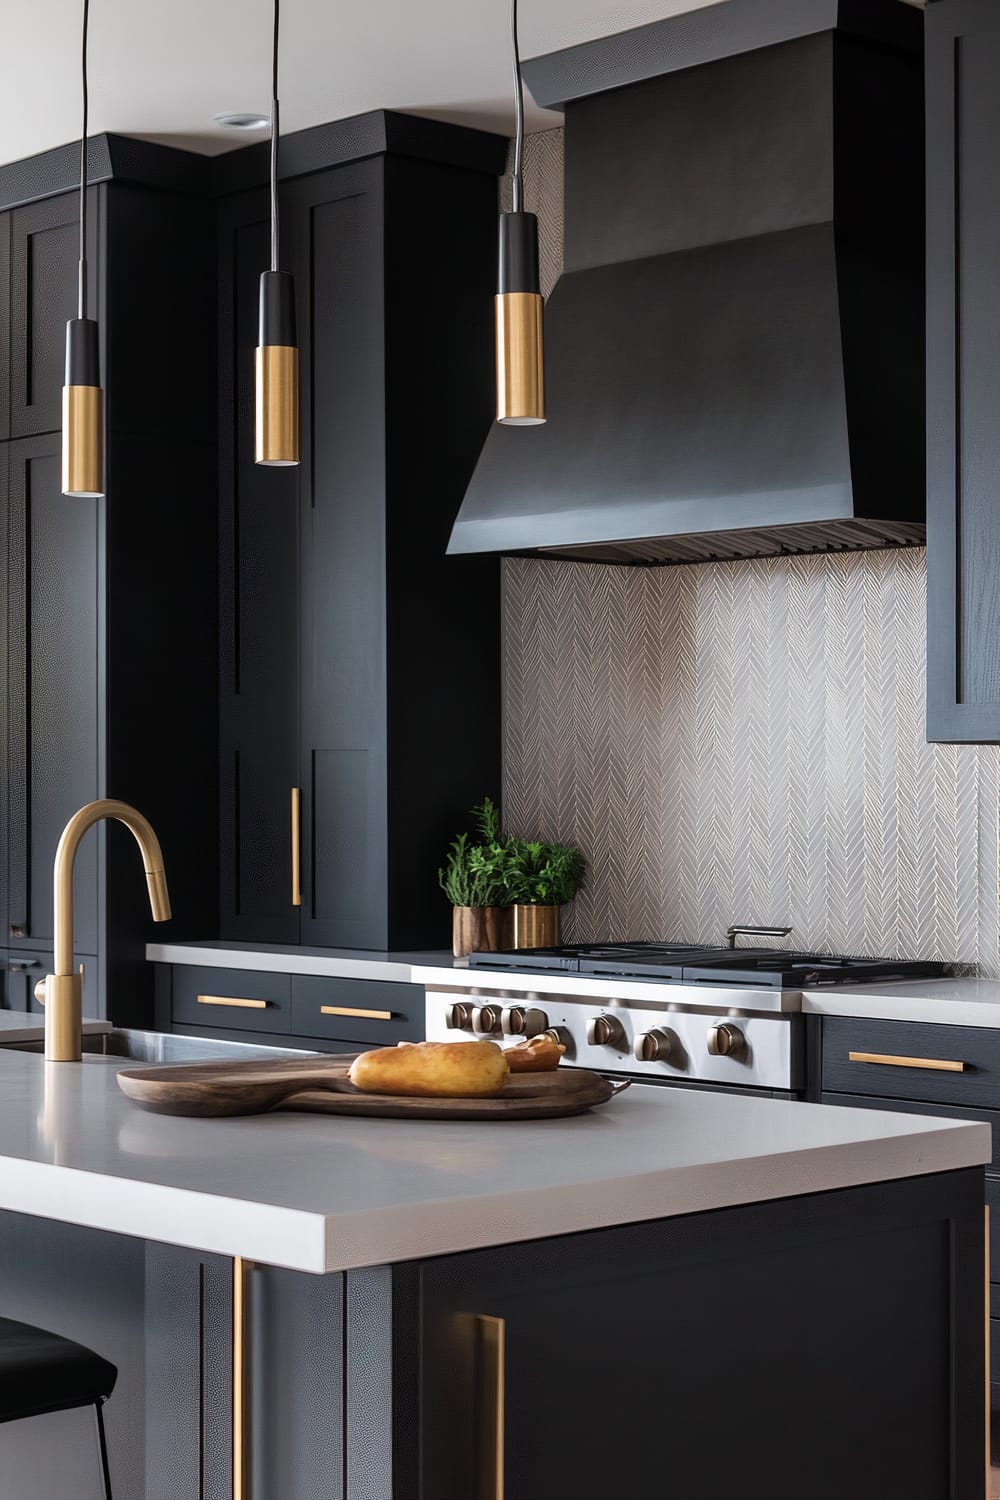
108	627
846	1067
359	665
963	369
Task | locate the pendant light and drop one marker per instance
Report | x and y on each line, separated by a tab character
520	359
83	399
277	375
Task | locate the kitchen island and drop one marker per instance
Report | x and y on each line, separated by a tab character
690	1284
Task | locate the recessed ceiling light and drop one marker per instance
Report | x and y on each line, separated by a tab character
239	120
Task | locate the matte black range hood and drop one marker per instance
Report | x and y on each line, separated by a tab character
734	353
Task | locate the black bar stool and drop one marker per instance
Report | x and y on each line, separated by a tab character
42	1372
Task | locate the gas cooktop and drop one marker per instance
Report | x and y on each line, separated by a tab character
689	963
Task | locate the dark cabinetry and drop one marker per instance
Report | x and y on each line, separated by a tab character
916	1068
360	666
690	1312
963	365
308	1010
108	626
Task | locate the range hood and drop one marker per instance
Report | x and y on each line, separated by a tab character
734	352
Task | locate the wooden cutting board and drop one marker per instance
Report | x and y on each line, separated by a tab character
320	1085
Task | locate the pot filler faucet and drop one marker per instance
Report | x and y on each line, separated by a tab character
62	992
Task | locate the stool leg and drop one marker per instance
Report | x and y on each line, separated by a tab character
99	1409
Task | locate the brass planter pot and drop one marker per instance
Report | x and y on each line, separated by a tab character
480	929
536	926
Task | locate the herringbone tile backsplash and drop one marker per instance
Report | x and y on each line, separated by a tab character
745	742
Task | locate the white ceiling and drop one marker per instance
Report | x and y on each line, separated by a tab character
162	70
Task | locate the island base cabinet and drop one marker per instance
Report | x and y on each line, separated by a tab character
825	1346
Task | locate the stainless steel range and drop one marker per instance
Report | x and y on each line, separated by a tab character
720	1018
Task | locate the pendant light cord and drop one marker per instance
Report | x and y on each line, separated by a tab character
517	182
274	143
82	299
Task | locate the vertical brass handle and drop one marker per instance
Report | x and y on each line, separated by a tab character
492	1378
242	1373
296	846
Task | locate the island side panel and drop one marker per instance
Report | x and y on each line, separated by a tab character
829	1345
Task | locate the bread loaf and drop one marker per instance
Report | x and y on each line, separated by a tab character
539	1055
435	1070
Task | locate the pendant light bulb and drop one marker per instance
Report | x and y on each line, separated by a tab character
519	341
276	378
82	397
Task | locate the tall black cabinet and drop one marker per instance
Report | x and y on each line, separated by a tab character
963	366
108	629
359	666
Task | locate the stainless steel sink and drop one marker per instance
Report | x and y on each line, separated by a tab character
166	1047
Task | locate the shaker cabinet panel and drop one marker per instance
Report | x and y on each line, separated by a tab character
963	362
53	693
5	223
337	234
258	614
44	261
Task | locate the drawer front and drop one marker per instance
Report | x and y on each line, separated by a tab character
376	1011
912	1060
989	1117
238	999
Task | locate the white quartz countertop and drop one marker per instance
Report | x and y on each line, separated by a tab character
949	1002
324	1193
279	958
28	1026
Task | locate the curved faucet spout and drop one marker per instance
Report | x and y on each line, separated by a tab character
63	990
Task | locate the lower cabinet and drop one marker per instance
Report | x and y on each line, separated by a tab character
294	1010
918	1068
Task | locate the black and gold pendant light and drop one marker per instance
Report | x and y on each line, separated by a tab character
520	356
83	399
276	439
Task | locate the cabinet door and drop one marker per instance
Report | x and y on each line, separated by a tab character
963	371
336	230
5	326
5	705
44	259
53	690
258	606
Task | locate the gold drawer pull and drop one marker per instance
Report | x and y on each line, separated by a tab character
353	1010
938	1064
492	1376
228	1000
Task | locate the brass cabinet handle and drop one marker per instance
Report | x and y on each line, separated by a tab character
230	1000
492	1380
353	1010
938	1064
296	846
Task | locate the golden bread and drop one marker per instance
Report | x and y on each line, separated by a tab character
539	1055
435	1070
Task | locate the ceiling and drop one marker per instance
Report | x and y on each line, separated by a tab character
161	71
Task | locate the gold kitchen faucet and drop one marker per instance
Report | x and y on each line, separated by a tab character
62	992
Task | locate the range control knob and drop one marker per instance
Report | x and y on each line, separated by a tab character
485	1019
557	1035
725	1040
458	1017
606	1031
517	1020
654	1046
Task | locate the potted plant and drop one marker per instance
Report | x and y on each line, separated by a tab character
473	878
540	878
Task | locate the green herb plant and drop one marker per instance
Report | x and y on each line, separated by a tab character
474	874
539	874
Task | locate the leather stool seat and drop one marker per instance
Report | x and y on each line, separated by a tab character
43	1372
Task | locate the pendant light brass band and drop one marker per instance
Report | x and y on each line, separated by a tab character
520	367
277	415
83	440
